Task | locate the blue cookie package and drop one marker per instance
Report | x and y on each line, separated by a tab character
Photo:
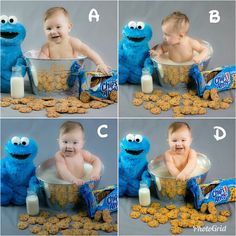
221	78
100	85
217	191
100	199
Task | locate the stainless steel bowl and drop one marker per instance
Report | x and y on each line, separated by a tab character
167	187
175	76
49	75
59	194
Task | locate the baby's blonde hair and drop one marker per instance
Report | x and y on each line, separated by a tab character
69	126
53	10
178	125
180	21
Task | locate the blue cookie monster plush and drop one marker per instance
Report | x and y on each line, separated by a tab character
12	35
134	52
18	170
133	164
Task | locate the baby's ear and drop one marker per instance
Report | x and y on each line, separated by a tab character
70	26
182	34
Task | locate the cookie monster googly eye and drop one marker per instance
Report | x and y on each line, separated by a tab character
130	137
24	141
140	25
12	19
132	25
15	140
4	19
138	138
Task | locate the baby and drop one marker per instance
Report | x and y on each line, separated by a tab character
179	46
71	157
60	44
180	159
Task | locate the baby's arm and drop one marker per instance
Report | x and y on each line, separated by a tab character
91	54
44	52
63	171
159	49
170	164
202	51
95	162
189	168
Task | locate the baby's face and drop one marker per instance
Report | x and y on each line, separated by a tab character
180	140
57	27
170	34
71	143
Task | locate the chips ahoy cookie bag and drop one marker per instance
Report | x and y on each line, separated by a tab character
217	191
221	78
101	86
100	199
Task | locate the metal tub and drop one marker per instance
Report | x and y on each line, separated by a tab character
49	75
175	76
59	194
167	187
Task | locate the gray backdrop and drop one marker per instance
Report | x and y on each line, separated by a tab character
221	155
45	133
220	35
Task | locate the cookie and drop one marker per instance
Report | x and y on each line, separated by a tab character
113	96
137	101
35	229
135	214
146	219
22	225
225	213
153	223
25	109
24	217
85	96
155	110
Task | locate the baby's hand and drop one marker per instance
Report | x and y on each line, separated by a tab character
104	68
78	182
95	177
155	53
182	176
197	59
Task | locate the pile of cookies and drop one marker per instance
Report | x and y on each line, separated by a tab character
171	188
53	79
54	107
178	217
170	73
181	104
78	224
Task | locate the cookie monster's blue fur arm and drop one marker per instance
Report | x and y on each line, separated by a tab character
148	64
123	70
34	183
146	178
22	64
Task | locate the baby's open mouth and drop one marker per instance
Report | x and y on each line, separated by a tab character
134	152
136	39
20	157
8	35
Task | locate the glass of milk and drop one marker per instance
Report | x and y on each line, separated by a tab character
17	83
32	203
144	195
146	81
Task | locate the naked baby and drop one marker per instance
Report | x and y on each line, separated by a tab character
71	157
180	159
177	45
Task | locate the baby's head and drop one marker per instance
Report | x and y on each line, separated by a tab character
57	24
71	138
179	137
175	27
